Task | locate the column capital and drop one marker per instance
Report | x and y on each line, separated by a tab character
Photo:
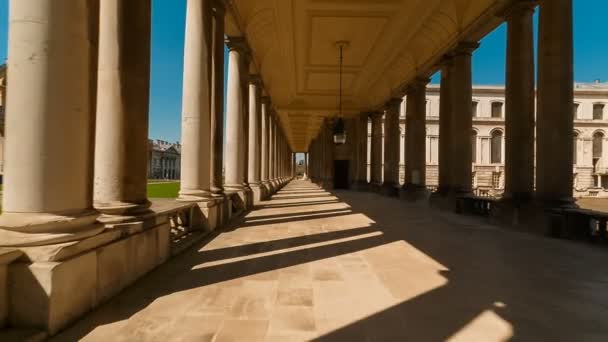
518	8
237	43
393	103
255	79
219	7
465	48
416	84
375	114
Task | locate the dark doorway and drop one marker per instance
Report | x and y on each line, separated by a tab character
341	174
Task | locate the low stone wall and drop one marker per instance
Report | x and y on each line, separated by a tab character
49	287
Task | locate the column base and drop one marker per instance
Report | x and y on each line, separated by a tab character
390	189
375	187
360	186
413	192
259	192
50	293
122	208
40	229
548	218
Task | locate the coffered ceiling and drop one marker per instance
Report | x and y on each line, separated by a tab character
391	43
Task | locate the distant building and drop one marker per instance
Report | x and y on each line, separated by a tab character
590	137
164	159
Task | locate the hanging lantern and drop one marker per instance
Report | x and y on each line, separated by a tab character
339	132
339	129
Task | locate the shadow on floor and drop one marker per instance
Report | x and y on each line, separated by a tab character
489	271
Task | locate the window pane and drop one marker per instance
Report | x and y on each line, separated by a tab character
575	148
474	147
496	147
496	109
598	112
598	140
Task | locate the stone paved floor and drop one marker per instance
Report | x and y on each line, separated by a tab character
348	266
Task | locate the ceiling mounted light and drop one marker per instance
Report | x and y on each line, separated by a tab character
339	130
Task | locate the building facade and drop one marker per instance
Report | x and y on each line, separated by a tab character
590	138
164	159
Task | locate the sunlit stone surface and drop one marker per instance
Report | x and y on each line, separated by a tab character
347	266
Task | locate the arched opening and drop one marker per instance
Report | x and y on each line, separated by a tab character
575	148
496	147
474	147
597	149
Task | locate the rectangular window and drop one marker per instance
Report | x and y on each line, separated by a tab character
496	180
598	111
497	109
576	105
474	109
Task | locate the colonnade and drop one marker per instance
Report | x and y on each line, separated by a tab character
550	182
77	117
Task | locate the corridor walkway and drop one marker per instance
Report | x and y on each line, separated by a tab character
350	266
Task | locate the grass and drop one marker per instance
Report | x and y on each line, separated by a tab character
163	190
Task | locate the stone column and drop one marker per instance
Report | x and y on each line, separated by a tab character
376	151
217	101
519	103
234	119
196	104
414	186
306	163
255	140
445	129
271	149
391	148
48	173
462	119
122	107
361	152
264	130
554	118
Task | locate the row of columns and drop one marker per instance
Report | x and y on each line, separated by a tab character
554	119
77	115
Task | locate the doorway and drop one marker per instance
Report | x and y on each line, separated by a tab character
341	174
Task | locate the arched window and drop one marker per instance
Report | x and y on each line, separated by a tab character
474	109
575	148
474	147
598	142
496	147
598	111
497	109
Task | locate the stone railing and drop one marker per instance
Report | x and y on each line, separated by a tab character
186	222
580	224
475	205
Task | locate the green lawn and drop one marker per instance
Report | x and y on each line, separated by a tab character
163	190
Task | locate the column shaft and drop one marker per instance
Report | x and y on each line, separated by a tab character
376	149
391	146
217	101
196	104
555	102
415	136
254	131
462	119
264	130
50	117
122	106
519	103
234	123
445	128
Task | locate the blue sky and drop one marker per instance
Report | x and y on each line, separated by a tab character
168	19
